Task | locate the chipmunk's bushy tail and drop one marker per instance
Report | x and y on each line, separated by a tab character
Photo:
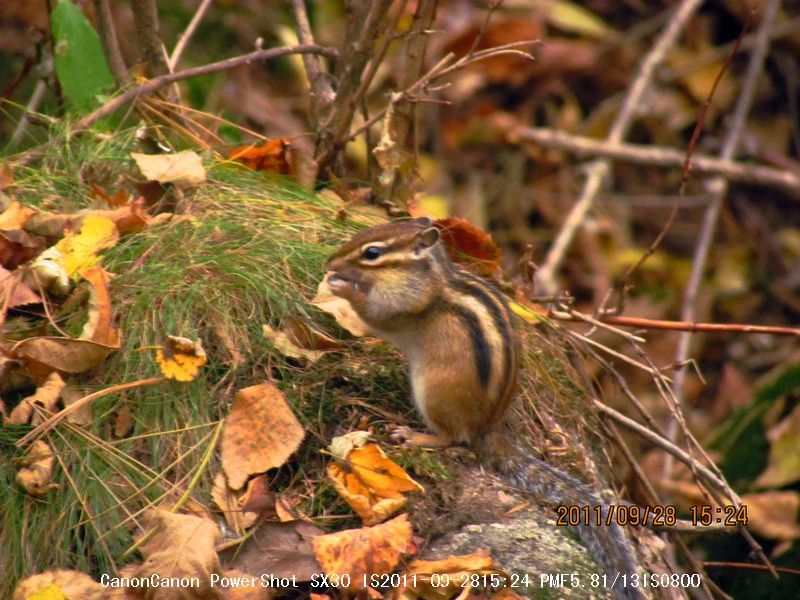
607	544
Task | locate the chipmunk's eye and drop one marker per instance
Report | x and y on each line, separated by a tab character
372	252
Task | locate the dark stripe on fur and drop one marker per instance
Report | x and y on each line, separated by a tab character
481	349
488	296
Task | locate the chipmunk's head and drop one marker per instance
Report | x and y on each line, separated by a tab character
388	269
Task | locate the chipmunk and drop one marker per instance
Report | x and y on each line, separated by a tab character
455	328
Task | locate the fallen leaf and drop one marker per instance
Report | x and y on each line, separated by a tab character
47	396
783	466
60	584
17	247
270	156
121	198
365	551
230	503
15	216
98	327
180	358
43	355
180	546
342	311
83	415
129	218
37	469
260	433
773	514
282	548
428	574
82	250
20	294
181	168
469	245
284	343
123	421
372	484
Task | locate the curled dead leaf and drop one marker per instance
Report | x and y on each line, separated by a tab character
37	469
373	485
260	433
181	168
365	551
47	396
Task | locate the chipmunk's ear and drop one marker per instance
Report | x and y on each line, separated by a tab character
427	238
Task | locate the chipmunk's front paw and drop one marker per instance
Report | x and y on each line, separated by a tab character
402	435
408	438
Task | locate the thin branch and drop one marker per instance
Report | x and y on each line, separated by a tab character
108	37
719	187
658	156
322	94
31	107
642	323
180	47
598	170
159	82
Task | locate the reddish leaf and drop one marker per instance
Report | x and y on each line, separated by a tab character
269	156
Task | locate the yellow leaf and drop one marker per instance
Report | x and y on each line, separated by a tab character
572	17
81	251
525	313
180	358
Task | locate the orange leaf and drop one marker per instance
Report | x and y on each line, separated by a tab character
457	568
269	156
15	216
469	245
260	433
365	551
371	483
98	328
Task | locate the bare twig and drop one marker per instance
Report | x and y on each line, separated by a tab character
657	156
719	187
159	82
32	106
598	170
180	47
108	37
642	323
322	94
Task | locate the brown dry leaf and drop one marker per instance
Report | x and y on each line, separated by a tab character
783	466
42	355
281	548
270	156
469	245
773	515
262	501
181	168
84	414
372	484
98	328
129	218
307	336
6	176
47	395
20	294
180	546
365	551
340	308
230	503
121	198
17	247
60	584
15	216
284	343
260	433
37	469
123	421
457	568
180	358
